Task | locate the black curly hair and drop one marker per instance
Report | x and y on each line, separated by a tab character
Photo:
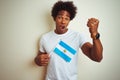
68	6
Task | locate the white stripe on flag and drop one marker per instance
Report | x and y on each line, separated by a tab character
64	51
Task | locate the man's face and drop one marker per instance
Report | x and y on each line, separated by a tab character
62	20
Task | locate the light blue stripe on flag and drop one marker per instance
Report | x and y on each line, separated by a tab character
62	55
67	47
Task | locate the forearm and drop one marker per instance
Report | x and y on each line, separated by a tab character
96	50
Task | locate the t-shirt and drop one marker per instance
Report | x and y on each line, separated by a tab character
63	50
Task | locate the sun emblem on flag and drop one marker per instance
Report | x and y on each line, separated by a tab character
64	51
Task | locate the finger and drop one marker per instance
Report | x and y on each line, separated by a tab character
90	30
44	62
93	19
46	55
44	59
92	24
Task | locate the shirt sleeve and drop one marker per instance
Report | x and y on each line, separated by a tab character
41	45
83	40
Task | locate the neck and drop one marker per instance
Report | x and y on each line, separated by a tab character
60	32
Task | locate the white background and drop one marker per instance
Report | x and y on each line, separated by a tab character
22	22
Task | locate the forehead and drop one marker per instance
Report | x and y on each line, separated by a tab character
64	13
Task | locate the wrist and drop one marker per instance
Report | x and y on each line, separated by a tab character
95	36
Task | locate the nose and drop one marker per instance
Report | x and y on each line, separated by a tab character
63	21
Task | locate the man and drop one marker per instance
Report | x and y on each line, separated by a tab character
59	48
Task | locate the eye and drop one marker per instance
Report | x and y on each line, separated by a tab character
59	17
67	18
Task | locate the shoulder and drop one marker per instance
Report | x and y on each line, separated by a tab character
80	37
76	33
47	35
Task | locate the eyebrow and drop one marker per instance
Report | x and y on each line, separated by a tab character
61	15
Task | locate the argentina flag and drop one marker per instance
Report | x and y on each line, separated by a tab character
65	51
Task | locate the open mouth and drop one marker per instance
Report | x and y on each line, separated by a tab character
62	27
